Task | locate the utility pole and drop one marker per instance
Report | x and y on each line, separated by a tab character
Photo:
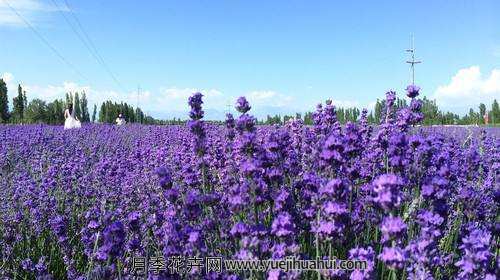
412	62
138	117
228	106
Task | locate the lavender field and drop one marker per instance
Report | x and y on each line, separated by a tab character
414	202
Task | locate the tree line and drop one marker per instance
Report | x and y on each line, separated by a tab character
432	114
40	111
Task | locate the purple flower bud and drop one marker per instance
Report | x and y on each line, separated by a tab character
242	105
134	221
387	190
195	102
164	176
239	229
392	228
283	225
412	91
393	257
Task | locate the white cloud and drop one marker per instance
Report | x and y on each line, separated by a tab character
175	93
262	95
171	101
50	92
468	88
176	99
338	103
269	98
7	77
30	10
162	101
345	103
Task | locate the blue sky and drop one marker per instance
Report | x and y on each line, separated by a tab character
286	56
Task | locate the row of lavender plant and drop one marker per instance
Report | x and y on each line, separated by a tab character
413	203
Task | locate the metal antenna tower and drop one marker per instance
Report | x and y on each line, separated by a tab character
228	105
412	62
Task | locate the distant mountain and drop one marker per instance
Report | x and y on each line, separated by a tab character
260	112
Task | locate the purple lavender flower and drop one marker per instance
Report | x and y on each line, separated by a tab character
393	257
27	264
245	123
242	105
282	225
239	229
332	152
392	228
134	220
230	125
387	191
422	199
412	91
476	249
114	239
424	255
195	102
59	227
196	124
362	254
390	98
165	177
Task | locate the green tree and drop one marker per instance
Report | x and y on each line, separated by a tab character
102	113
94	114
482	112
55	112
37	111
4	102
109	111
431	111
78	108
308	119
379	108
371	118
139	115
471	118
18	104
69	99
495	113
131	114
84	108
25	100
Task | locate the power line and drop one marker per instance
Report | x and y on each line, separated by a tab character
46	42
72	26
95	52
